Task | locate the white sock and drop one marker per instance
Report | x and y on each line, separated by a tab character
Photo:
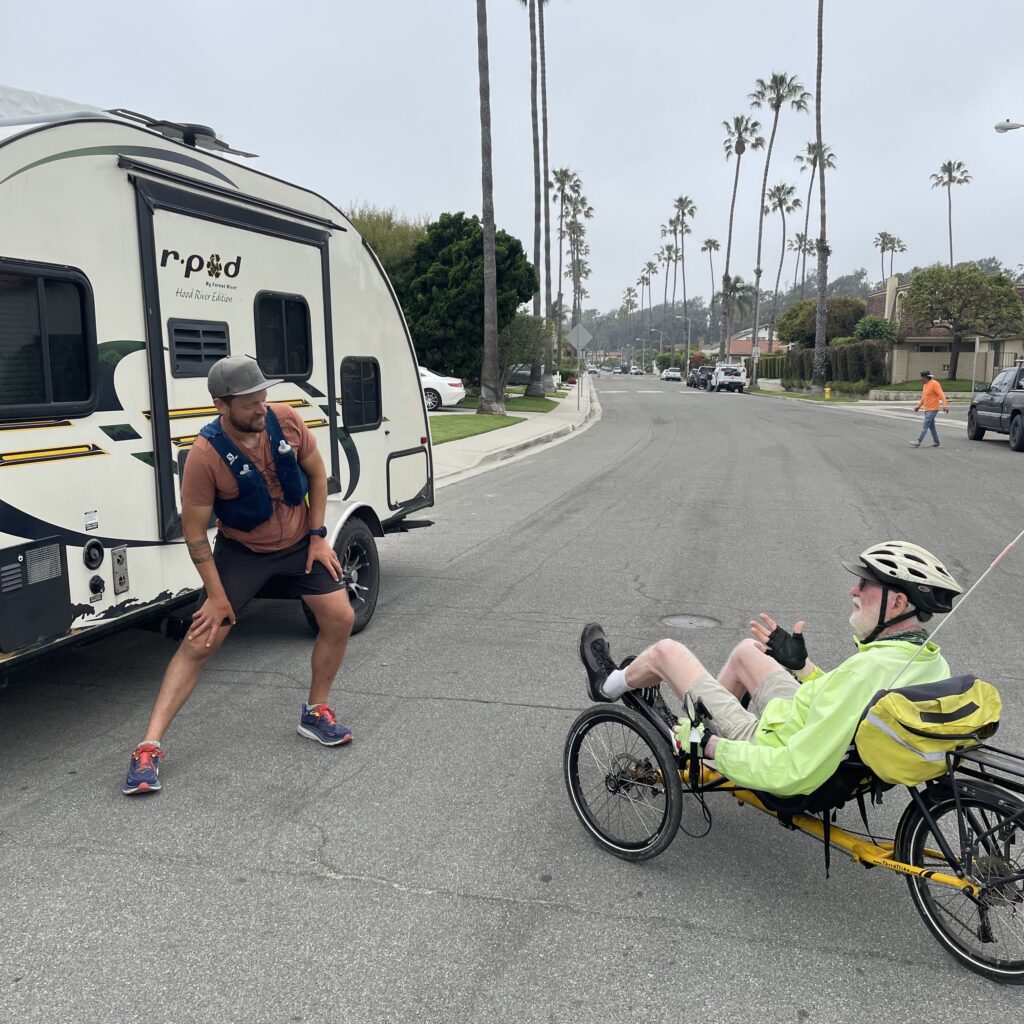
615	685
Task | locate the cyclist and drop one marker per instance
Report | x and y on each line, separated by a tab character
800	719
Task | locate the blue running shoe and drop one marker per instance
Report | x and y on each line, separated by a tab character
143	770
318	723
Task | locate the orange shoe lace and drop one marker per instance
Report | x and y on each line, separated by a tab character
145	753
325	713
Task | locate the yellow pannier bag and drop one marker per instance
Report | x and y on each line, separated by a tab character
905	734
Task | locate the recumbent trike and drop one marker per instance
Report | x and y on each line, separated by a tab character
959	843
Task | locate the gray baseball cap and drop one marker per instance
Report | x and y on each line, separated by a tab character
236	375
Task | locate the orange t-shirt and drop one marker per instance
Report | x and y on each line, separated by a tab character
207	477
932	396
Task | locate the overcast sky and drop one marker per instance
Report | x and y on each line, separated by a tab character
377	102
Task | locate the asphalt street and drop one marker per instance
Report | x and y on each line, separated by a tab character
434	870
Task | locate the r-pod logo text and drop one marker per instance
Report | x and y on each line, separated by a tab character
194	263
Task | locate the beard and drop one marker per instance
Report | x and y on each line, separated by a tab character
861	623
253	425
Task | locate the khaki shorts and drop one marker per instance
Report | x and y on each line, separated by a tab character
729	718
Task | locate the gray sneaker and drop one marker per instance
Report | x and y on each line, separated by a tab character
596	656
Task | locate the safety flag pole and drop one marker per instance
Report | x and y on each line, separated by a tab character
1002	554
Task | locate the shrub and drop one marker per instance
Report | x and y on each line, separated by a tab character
874	328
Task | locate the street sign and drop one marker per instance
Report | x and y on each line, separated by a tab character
580	337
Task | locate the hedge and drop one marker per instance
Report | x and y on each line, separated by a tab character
861	361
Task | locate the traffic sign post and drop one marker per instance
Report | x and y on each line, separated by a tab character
579	338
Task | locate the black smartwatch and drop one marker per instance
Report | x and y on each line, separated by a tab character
322	532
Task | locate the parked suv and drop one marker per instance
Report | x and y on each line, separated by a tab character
704	377
1000	407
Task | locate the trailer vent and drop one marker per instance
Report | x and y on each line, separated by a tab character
42	563
10	578
196	346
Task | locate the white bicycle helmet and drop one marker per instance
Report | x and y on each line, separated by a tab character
899	565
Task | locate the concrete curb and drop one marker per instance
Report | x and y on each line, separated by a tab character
520	448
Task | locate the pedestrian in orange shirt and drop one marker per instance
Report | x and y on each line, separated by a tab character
932	396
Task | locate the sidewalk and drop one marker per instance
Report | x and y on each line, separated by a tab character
456	460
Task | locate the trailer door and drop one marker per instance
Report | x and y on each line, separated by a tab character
223	278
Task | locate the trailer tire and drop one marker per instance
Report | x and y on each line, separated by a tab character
432	399
357	551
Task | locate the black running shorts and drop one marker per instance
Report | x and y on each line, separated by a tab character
245	573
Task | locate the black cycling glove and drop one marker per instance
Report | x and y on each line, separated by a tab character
788	649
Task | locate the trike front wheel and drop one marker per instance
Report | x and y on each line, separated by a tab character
986	933
623	782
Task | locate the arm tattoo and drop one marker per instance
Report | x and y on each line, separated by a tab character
199	550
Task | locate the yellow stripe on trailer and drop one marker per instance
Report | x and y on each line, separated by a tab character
78	451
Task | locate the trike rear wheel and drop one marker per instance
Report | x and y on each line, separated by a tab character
986	934
623	782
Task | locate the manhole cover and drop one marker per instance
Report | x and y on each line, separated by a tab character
691	621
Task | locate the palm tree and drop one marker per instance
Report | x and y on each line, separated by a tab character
685	209
535	387
651	270
491	393
952	172
666	256
710	246
882	242
628	309
809	161
782	199
739	134
801	246
564	183
820	355
737	294
895	246
548	384
580	210
779	90
673	226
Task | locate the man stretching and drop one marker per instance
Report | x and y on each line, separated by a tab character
254	465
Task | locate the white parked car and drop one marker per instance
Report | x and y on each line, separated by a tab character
439	391
672	373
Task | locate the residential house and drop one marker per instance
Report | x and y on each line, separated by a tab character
980	359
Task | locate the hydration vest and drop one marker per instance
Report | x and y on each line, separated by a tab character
254	505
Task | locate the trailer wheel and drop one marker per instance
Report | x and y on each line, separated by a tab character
357	551
432	398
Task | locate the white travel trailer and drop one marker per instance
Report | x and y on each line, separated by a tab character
131	259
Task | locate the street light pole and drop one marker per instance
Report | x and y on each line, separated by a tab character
661	338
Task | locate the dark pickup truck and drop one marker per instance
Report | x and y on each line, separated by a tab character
1000	408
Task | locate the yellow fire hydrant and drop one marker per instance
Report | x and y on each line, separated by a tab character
828	393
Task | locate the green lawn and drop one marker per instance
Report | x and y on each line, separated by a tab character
516	404
452	428
949	386
801	395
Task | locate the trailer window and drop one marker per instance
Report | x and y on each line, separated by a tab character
360	394
47	345
283	345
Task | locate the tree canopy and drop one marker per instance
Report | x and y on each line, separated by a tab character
965	300
796	326
390	234
441	288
